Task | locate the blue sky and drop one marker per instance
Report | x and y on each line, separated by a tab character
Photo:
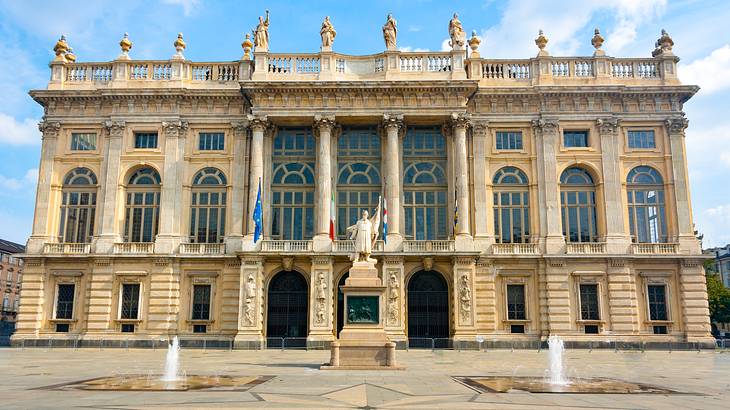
214	30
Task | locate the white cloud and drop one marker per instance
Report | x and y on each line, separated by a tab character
28	181
714	223
414	29
14	132
630	14
188	5
409	49
712	73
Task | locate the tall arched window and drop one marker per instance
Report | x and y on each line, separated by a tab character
292	184
511	206
78	206
578	205
424	184
142	208
358	176
647	220
208	207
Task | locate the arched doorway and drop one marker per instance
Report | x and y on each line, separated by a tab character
341	303
286	318
428	310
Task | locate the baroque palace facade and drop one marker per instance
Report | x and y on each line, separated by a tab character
525	198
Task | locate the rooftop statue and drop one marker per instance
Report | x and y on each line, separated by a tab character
390	32
457	34
328	33
261	34
365	233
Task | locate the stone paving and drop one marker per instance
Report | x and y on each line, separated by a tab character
39	378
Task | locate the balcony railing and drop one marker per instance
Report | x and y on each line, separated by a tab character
428	246
134	248
585	248
514	249
654	248
67	248
348	246
202	248
286	246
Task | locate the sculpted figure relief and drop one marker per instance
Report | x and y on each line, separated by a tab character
390	32
250	299
465	297
321	297
327	32
365	233
393	294
261	34
456	32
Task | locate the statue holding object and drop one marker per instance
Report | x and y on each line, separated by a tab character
365	233
261	34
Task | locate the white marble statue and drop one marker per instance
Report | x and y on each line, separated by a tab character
390	32
456	32
365	233
250	300
328	33
261	34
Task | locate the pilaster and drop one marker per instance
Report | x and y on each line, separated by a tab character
259	125
693	299
685	229
392	176
547	138
170	234
395	303
464	318
557	295
234	236
31	309
617	240
110	190
41	230
250	308
163	296
622	298
321	302
485	293
483	237
101	284
323	128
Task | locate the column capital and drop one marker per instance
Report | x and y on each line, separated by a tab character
608	126
392	120
240	127
258	122
174	129
677	125
50	129
480	127
545	125
324	122
115	129
460	120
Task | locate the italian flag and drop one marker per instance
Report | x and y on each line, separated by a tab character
332	217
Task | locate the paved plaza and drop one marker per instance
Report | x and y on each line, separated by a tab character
45	378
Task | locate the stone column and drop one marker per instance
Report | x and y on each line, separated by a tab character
169	233
42	232
483	237
323	127
459	124
622	298
321	313
234	236
685	228
557	297
617	240
463	295
395	300
110	189
258	126
250	307
693	301
392	178
547	137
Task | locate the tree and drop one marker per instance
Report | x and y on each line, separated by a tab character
718	296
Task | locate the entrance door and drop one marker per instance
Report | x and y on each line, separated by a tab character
286	319
428	310
341	303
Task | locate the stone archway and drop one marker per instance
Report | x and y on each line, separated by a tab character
428	310
287	310
341	304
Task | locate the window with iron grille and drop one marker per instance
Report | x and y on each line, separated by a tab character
201	302
657	302
509	140
589	309
211	141
65	301
642	139
83	141
130	301
516	302
145	140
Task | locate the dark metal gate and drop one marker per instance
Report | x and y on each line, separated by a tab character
286	319
428	311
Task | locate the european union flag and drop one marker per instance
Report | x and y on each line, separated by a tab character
257	217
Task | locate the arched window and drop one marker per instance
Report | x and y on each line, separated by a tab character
78	206
208	207
511	206
424	184
292	184
647	220
578	205
358	175
142	209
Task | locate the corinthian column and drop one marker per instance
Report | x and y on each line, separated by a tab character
234	236
546	133
110	188
459	123
170	234
616	238
393	124
41	231
482	205
323	127
258	125
685	227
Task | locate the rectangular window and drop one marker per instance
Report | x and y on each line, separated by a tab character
517	329
62	327
211	141
642	139
201	302
516	302
200	328
145	140
130	301
509	140
589	302
65	301
575	139
657	302
83	141
127	328
591	329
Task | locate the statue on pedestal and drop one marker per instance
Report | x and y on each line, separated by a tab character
457	34
390	32
261	34
328	33
365	233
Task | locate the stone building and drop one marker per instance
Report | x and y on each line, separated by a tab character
11	274
524	198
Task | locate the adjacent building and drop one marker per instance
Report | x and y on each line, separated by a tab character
722	262
524	198
11	274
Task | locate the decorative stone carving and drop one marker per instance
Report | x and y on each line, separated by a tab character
287	263
174	129
677	125
460	120
617	262
321	296
246	46
541	41
392	120
365	233
125	45
393	297
250	306
324	121
464	297
115	129
545	126
240	128
480	127
70	56
50	129
474	42
261	34
597	42
258	123
328	33
60	47
663	45
179	45
427	263
457	34
390	33
608	126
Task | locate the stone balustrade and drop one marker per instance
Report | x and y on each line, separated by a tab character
134	248
286	246
67	248
348	246
585	248
428	246
515	249
654	248
202	248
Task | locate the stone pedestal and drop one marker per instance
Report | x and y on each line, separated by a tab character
363	343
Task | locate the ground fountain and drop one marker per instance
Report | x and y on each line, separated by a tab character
556	371
172	361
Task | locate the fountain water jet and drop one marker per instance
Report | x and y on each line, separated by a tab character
556	349
172	361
